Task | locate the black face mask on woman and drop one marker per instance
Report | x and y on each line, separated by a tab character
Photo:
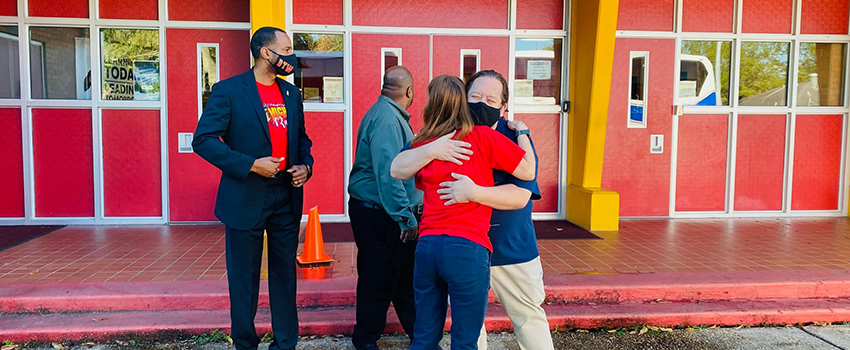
482	114
284	65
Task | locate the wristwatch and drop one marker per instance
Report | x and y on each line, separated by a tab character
523	132
309	169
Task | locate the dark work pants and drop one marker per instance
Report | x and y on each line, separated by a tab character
384	274
244	250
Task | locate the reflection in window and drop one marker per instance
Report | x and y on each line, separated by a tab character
538	71
470	62
10	76
638	71
60	64
704	73
389	58
764	74
820	77
130	64
207	72
320	58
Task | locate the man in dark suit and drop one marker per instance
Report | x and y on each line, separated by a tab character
253	130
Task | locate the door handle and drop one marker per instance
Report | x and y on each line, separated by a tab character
565	106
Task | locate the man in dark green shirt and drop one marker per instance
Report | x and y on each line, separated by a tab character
384	213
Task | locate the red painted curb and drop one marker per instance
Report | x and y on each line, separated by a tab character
158	296
201	295
331	321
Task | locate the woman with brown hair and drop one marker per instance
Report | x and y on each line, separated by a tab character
453	254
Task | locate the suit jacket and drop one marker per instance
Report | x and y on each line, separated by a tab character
233	132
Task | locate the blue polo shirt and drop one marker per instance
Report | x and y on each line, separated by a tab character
511	231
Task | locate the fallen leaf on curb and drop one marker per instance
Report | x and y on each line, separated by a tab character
668	330
58	346
643	331
653	328
98	319
9	347
633	332
712	327
612	331
582	331
559	229
34	272
739	327
339	336
689	329
229	339
89	344
122	343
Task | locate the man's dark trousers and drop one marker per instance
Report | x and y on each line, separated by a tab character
244	251
384	274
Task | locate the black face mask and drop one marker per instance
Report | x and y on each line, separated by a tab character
482	114
284	65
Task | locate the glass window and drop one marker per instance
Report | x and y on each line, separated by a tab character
538	71
130	64
208	72
320	58
764	74
10	68
470	61
638	89
704	73
389	58
820	77
60	63
392	57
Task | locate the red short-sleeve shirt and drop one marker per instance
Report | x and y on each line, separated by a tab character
490	150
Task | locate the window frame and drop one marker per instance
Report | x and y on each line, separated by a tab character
645	101
201	47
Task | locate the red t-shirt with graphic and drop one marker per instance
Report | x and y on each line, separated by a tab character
276	117
490	150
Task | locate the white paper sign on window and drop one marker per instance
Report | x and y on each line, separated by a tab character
523	88
332	87
539	70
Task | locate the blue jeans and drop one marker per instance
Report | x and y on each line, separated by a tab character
453	267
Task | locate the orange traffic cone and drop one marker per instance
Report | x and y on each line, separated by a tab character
314	244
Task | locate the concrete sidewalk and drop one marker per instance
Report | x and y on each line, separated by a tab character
768	338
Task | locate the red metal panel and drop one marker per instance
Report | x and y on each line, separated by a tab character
767	16
327	186
366	72
495	53
136	9
642	179
9	8
317	11
824	17
546	129
817	162
192	181
708	16
760	162
62	152
655	15
540	14
11	161
210	10
701	162
489	14
67	9
132	172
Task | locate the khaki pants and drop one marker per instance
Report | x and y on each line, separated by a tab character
519	288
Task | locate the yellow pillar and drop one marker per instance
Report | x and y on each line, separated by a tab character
594	25
268	13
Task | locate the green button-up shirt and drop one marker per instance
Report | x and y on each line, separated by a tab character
384	130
